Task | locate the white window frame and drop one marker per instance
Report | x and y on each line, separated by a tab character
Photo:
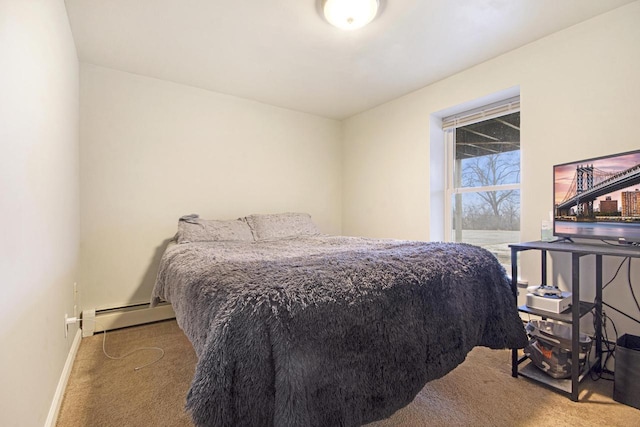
449	125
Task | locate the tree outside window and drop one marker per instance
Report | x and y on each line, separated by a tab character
485	183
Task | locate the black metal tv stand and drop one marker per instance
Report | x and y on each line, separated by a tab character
578	308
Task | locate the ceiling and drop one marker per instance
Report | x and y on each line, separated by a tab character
281	52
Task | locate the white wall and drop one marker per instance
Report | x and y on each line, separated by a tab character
39	203
579	98
152	151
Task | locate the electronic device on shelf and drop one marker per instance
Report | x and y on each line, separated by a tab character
548	298
545	291
555	304
598	198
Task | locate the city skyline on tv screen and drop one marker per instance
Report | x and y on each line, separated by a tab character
565	174
598	198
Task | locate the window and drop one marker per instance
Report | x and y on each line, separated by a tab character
483	177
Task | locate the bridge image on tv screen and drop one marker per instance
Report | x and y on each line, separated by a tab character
598	198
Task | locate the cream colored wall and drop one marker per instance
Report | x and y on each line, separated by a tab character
39	204
579	96
153	151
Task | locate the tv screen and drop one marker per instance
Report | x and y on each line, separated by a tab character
598	198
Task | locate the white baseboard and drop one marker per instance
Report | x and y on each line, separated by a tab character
105	320
54	409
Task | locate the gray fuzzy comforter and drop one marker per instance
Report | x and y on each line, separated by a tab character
328	330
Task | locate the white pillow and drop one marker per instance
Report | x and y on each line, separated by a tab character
191	228
282	225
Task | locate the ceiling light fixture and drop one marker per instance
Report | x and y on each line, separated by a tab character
350	14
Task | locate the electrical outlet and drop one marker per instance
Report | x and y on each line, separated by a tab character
68	321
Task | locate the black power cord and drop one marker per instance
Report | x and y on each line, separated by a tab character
609	346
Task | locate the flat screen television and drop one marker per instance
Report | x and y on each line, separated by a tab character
598	198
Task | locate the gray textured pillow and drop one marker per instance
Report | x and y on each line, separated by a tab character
282	225
194	229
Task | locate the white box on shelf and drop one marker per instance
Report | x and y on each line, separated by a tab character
550	303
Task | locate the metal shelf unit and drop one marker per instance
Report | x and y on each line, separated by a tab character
572	316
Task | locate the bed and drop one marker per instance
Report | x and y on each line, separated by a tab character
292	327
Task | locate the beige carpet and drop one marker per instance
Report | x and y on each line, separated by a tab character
479	392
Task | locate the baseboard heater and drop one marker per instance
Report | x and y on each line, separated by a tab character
121	317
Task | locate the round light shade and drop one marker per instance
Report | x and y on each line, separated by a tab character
350	14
